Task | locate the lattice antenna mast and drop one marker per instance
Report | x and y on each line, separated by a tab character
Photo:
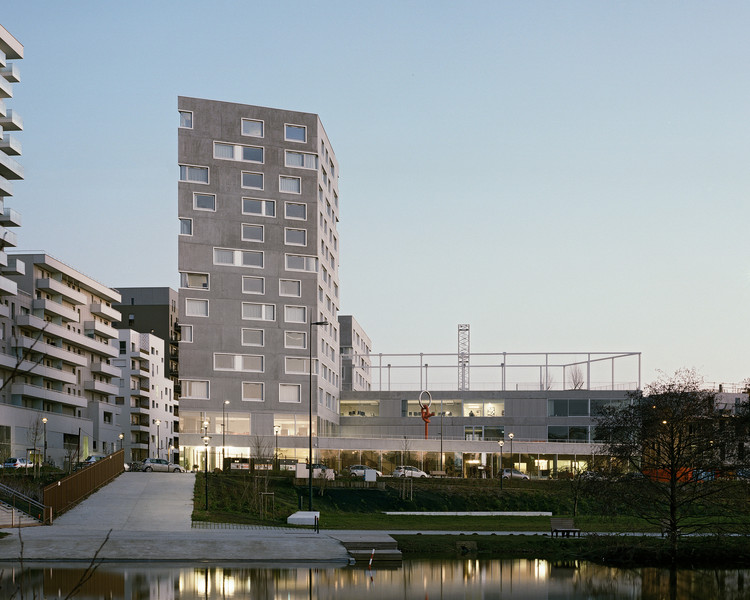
464	350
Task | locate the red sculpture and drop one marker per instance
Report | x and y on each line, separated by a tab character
425	410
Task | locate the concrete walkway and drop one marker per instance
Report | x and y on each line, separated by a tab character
149	518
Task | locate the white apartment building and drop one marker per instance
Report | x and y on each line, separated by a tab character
146	397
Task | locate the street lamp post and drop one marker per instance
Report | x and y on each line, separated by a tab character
223	429
44	458
158	443
310	455
206	439
510	435
276	430
501	444
121	436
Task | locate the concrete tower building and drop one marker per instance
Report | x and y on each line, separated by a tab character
258	260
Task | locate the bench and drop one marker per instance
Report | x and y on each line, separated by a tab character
563	527
437	473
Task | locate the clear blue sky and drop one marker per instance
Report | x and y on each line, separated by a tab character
559	175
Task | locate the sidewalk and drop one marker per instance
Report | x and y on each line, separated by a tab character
149	518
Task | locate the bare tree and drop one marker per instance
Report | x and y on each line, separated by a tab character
680	445
577	378
20	367
35	437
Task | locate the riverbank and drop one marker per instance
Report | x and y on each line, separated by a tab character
614	550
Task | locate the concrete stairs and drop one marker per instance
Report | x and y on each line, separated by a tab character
363	545
12	517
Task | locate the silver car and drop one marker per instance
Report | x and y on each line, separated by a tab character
160	464
514	474
407	471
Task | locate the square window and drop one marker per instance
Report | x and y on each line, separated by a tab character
295	237
296	366
192	174
204	202
195	389
304	160
252	154
186	119
252	391
295	210
186	227
290	392
186	333
251	258
224	151
196	308
252	127
194	280
252	180
253	206
295	314
253	285
252	337
252	233
295	339
295	133
296	262
290	185
290	287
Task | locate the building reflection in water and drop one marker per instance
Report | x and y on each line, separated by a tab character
443	579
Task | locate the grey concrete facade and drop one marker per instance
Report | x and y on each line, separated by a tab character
258	260
356	346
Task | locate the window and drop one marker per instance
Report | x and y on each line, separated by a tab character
196	308
186	227
238	362
296	366
290	392
253	206
193	174
295	339
194	280
252	127
252	391
186	119
295	133
252	233
260	312
290	287
253	285
237	152
295	210
238	258
195	389
186	333
304	160
295	237
296	262
290	185
252	337
252	180
295	314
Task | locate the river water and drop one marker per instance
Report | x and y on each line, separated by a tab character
415	579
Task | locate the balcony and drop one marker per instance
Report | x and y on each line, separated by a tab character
33	391
100	309
51	307
74	339
100	387
9	144
15	266
9	167
106	369
8	287
8	238
27	343
11	73
6	89
11	121
53	374
58	287
101	328
6	187
139	427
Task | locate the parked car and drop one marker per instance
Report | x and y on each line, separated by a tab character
17	463
407	471
90	460
514	474
359	470
160	464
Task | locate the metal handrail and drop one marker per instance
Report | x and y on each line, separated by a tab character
35	509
